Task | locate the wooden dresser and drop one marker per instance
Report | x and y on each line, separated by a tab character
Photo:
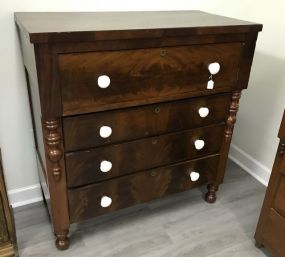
130	107
270	230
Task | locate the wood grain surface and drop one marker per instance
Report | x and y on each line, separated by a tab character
141	187
133	123
58	27
83	167
142	75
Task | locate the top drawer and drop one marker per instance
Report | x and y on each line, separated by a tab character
96	81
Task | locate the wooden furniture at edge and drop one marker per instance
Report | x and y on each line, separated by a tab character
270	230
8	246
129	107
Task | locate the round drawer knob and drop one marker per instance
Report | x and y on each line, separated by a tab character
210	84
194	176
105	131
203	112
105	166
199	144
106	201
214	68
103	81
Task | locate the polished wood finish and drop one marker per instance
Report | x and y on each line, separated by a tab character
84	167
143	75
158	66
8	245
56	178
270	230
84	27
138	188
143	121
231	119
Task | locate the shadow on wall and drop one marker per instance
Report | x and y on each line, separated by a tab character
261	110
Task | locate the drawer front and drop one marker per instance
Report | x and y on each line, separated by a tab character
143	76
102	163
139	122
87	202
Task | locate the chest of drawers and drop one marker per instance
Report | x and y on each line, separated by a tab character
130	107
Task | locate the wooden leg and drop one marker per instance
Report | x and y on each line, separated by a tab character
62	240
57	181
211	196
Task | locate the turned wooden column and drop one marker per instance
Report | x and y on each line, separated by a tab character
230	122
57	180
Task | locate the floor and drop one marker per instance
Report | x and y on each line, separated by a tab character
176	226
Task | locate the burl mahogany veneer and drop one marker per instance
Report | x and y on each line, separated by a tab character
129	107
270	230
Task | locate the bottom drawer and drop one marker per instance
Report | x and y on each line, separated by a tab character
97	199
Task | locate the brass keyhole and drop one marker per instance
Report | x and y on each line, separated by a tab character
157	110
163	53
153	173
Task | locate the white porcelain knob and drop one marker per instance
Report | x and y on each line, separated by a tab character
214	68
199	144
105	166
203	112
210	84
194	176
103	81
105	131
106	201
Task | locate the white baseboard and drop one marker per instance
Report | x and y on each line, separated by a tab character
249	164
25	195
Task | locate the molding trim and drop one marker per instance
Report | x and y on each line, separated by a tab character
25	195
255	168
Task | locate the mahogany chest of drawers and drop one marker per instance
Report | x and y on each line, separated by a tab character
270	230
130	107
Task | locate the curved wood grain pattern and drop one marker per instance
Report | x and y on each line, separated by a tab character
137	188
133	123
141	75
84	167
151	58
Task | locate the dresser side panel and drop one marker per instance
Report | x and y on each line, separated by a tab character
246	61
33	90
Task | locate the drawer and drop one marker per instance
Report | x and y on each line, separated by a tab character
87	202
85	167
138	122
96	81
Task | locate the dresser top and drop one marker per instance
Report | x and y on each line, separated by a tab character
58	27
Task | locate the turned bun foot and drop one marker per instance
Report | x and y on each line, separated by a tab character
62	242
211	196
